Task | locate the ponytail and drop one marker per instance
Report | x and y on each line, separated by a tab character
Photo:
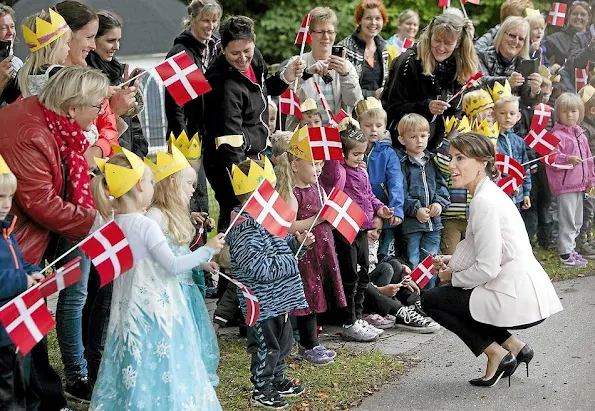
284	176
103	201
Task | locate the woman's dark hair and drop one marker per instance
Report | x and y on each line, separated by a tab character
236	28
76	14
108	20
478	147
351	136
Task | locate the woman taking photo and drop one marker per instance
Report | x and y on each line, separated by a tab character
424	78
366	50
236	108
502	61
496	282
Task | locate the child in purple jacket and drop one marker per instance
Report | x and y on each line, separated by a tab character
354	257
572	173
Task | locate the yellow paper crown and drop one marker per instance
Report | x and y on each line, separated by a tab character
544	72
299	145
529	12
4	167
487	130
499	90
167	164
586	93
477	102
46	32
368	104
121	179
342	126
191	149
244	184
462	125
308	105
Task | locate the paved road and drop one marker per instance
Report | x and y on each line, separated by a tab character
562	374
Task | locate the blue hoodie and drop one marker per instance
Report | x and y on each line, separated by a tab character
384	171
13	270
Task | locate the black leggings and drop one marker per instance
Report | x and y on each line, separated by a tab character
307	328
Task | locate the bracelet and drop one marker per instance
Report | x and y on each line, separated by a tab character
282	77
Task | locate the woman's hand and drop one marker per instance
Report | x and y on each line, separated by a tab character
516	79
216	243
445	275
294	70
438	107
535	81
339	64
90	155
320	68
6	70
440	262
123	100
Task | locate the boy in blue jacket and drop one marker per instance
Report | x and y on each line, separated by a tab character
16	276
266	265
384	168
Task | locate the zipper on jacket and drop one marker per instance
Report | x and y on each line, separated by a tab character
427	192
11	248
266	107
581	155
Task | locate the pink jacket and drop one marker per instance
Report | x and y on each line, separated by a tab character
573	142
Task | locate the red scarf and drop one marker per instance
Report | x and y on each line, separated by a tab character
72	144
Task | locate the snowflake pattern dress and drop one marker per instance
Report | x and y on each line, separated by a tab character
319	267
152	358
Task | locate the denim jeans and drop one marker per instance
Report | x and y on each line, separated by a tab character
69	313
419	245
387	239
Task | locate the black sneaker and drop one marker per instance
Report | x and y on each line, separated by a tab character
80	391
410	320
69	408
287	388
417	307
268	398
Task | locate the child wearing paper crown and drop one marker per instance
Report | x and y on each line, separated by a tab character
175	182
16	276
477	105
297	178
266	264
152	338
311	116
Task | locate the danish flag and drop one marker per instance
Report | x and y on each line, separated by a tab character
581	78
67	275
508	184
406	44
109	251
304	31
542	141
557	14
26	319
471	1
252	304
541	116
509	166
325	143
325	106
424	272
182	78
550	160
289	103
443	3
340	116
270	210
343	214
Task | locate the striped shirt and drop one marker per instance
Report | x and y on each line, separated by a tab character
327	90
459	197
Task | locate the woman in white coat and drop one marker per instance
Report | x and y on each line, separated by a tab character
496	282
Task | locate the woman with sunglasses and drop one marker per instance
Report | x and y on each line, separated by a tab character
502	61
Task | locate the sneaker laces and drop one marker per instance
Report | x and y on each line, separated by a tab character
409	315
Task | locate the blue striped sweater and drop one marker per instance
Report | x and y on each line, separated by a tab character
266	264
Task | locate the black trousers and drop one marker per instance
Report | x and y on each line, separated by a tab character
538	219
269	342
44	392
387	273
219	179
13	379
449	307
354	281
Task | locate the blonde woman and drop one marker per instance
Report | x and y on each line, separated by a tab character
407	28
427	74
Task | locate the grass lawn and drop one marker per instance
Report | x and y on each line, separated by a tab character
339	386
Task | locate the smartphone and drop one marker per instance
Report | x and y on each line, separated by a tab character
337	51
528	67
5	47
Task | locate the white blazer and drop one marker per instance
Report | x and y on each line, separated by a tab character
510	287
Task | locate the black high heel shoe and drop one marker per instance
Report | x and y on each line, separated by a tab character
505	368
525	355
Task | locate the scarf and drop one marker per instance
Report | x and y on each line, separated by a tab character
114	70
72	144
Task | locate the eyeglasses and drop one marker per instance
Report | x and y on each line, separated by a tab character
516	37
321	33
99	107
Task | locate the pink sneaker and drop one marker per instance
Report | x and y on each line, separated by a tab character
379	322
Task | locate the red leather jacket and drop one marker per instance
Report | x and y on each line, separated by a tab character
31	152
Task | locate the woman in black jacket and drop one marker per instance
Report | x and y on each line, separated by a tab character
237	108
102	58
423	78
558	43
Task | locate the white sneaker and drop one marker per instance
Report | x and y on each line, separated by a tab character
370	327
357	332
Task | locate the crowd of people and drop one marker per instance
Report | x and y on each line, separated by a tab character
427	111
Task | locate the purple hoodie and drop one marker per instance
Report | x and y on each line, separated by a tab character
357	186
573	142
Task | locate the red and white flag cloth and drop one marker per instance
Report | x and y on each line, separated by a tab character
269	210
557	14
467	84
182	78
424	272
509	166
304	31
406	44
471	1
343	214
541	116
66	275
325	143
26	319
508	184
443	3
289	103
581	78
109	251
542	141
340	116
325	106
550	160
252	304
